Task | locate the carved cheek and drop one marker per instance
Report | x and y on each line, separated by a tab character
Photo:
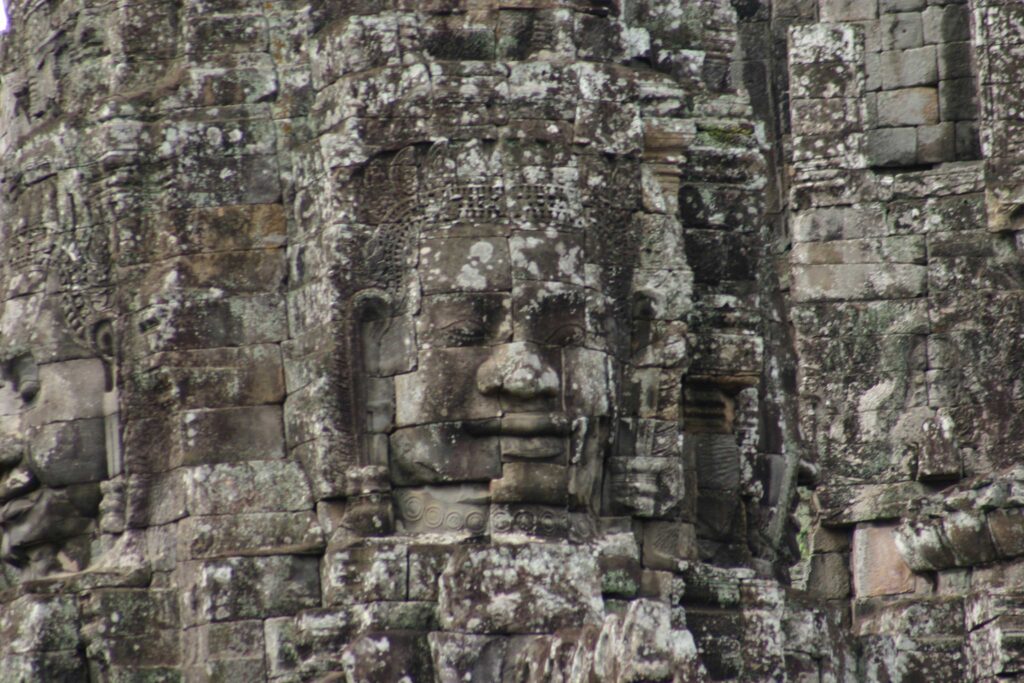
586	382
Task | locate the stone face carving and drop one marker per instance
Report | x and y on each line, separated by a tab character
511	341
503	328
59	425
54	458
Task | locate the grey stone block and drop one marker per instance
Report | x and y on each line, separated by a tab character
872	71
848	10
968	144
904	68
892	146
248	587
954	60
958	100
936	143
902	31
946	24
829	576
894	6
908	107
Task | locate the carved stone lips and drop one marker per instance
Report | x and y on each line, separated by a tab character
521	424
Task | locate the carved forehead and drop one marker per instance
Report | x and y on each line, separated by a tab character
481	189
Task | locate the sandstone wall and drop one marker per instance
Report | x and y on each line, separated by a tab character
525	341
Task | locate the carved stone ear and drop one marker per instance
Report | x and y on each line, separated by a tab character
372	304
440	162
24	372
103	338
104	342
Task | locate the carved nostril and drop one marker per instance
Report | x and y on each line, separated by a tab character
488	376
516	370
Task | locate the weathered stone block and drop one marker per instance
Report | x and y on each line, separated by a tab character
954	60
262	533
231	640
848	10
249	587
61	395
892	249
463	657
227	435
439	453
512	589
892	147
531	482
905	68
968	537
465	265
37	623
829	576
309	643
458	510
839	223
247	487
72	452
946	24
908	107
937	143
877	566
666	543
958	99
902	31
389	656
858	281
892	6
365	574
438	390
646	486
1007	529
426	563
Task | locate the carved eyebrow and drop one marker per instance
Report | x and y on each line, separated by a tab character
464	322
564	330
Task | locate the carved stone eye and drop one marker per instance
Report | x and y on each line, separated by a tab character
465	332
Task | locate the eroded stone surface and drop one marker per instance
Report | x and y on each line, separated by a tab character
509	342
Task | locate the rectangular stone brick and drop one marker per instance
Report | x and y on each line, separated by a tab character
231	435
848	10
894	249
878	568
249	588
937	143
908	107
958	100
904	68
365	574
892	146
839	223
262	533
893	6
946	24
856	281
954	60
901	31
227	489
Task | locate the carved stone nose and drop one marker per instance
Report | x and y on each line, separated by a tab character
516	370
